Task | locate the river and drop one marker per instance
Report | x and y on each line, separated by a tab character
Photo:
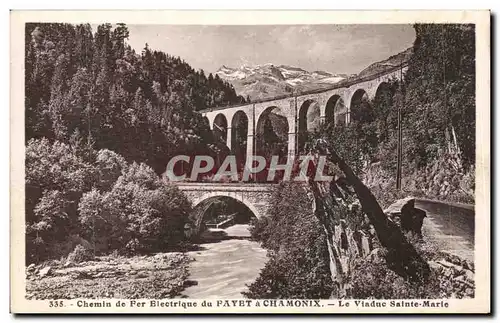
222	269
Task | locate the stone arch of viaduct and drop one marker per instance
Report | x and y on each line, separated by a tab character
254	196
290	107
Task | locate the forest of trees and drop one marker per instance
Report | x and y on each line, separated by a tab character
101	124
440	91
91	86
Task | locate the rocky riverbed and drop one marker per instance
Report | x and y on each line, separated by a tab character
157	276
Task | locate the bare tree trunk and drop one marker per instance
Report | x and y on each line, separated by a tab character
402	256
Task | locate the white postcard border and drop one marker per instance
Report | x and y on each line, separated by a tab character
480	304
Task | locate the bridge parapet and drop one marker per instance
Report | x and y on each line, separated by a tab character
244	187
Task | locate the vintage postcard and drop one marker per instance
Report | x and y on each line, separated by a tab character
250	162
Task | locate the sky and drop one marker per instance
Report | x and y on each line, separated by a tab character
339	49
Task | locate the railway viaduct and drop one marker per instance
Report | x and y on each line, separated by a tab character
332	105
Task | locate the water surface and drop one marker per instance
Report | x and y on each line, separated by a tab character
222	269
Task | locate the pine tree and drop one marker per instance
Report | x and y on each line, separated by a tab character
142	105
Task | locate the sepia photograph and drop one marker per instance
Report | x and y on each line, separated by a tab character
246	167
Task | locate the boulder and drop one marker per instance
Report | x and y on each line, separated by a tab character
142	274
160	256
395	208
457	270
404	213
469	292
469	275
460	279
45	272
80	275
448	272
436	266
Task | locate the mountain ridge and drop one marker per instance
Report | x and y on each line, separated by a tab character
269	80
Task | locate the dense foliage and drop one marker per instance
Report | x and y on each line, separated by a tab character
101	203
377	280
95	87
440	93
298	265
437	103
101	122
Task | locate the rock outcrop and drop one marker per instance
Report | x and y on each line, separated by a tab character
366	222
458	278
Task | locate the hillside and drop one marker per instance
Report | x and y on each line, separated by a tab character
391	62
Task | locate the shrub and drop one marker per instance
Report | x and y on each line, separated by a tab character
56	178
99	223
142	175
80	254
293	274
376	280
258	228
139	213
100	198
110	167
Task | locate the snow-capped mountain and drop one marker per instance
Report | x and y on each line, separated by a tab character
268	80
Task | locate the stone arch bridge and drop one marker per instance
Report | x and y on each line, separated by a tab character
254	196
334	104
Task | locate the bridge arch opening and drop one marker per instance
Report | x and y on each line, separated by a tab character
272	133
309	121
217	215
360	109
385	114
220	128
239	136
335	111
